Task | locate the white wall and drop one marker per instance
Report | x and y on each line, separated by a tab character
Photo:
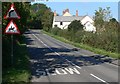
85	19
64	26
89	27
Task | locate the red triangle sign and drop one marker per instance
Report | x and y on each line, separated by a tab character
12	28
12	14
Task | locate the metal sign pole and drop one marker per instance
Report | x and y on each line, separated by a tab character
11	49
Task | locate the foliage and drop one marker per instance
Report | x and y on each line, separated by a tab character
17	72
47	20
101	16
55	30
75	26
41	17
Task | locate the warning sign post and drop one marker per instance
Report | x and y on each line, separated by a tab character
12	13
12	27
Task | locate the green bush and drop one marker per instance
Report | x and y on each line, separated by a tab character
74	26
107	40
55	30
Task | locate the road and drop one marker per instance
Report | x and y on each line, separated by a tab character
54	61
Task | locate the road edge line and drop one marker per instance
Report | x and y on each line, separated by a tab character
98	78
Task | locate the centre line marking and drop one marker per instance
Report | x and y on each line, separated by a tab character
65	45
99	78
54	51
69	61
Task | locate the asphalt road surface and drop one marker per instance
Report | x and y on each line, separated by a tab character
54	61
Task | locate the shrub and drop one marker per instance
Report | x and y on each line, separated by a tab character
55	30
75	25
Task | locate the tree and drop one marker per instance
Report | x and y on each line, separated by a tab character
75	25
113	20
42	16
102	16
47	20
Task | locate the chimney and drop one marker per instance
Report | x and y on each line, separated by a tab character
76	12
67	10
55	13
63	12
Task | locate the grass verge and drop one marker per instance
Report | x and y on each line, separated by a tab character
19	71
84	46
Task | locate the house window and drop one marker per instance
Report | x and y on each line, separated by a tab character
61	23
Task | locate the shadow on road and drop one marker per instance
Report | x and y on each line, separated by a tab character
43	59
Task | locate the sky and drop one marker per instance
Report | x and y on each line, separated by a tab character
84	8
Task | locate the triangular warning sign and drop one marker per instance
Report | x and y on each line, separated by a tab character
12	14
12	28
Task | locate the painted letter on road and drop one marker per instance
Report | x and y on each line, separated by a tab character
63	72
72	70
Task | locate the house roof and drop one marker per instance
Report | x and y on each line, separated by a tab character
67	18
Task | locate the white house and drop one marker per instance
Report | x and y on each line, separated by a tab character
64	20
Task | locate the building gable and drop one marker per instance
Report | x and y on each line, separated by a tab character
67	14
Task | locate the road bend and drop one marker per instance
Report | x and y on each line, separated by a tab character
54	61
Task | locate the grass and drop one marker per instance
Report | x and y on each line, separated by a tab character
84	46
19	71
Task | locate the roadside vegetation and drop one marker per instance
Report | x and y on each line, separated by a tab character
19	70
41	17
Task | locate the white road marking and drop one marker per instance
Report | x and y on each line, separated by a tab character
57	53
78	67
53	50
69	61
58	41
63	72
66	46
50	73
72	70
98	78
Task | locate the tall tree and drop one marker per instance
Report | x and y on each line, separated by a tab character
47	20
42	16
102	16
